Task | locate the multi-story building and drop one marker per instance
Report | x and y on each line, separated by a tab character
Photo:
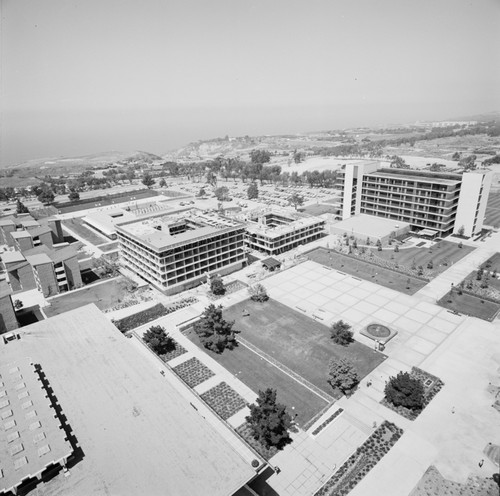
23	232
177	252
8	321
443	203
50	271
274	231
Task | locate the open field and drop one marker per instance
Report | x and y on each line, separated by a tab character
77	226
438	253
105	295
492	217
259	374
366	271
320	209
297	341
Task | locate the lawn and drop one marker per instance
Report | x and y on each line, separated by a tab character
77	226
470	305
297	341
364	270
259	374
321	208
105	295
440	251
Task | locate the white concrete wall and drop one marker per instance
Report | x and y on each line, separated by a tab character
355	171
470	201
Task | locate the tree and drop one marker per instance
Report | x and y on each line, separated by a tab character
47	195
216	285
18	304
147	180
269	421
258	293
342	374
163	183
21	208
341	333
74	196
296	200
202	192
214	332
396	248
260	156
222	193
253	191
398	163
461	231
379	245
456	156
158	340
405	390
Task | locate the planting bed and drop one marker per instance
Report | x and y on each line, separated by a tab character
224	400
362	461
176	352
379	332
246	433
193	372
231	287
471	305
330	419
432	386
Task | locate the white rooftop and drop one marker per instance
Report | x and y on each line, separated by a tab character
371	225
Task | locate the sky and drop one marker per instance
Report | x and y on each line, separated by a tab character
86	76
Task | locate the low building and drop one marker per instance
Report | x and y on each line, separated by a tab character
274	231
23	232
176	252
364	226
133	430
444	203
8	320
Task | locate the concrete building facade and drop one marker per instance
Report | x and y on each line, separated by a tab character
442	202
274	231
8	320
177	252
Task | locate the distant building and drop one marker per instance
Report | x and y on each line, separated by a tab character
176	252
442	203
274	231
8	320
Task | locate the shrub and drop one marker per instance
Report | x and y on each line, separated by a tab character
396	248
404	390
141	318
341	333
158	340
430	264
342	374
18	304
258	293
216	285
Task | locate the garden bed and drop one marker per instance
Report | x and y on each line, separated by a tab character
468	304
330	419
245	432
193	372
224	400
432	385
362	461
230	287
176	352
378	332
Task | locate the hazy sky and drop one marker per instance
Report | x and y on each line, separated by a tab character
83	76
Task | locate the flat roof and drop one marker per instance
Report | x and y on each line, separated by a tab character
12	256
5	289
155	230
7	222
415	175
33	437
106	221
20	234
370	225
30	223
38	259
139	435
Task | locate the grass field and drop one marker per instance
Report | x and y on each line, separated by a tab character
470	305
366	271
493	210
104	295
77	226
422	256
297	341
321	209
259	374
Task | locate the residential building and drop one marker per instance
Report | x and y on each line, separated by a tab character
274	231
8	320
23	232
48	270
176	252
442	203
